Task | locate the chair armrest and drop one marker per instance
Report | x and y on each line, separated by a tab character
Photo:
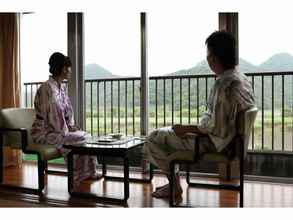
23	133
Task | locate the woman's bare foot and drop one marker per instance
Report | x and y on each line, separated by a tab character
95	176
76	185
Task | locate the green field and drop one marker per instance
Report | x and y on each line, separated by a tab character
288	129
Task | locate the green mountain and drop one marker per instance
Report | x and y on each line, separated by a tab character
202	67
95	71
278	62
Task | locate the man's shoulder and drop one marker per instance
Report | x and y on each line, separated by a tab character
238	79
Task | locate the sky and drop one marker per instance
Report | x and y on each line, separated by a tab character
176	37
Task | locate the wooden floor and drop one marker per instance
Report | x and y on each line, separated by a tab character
256	194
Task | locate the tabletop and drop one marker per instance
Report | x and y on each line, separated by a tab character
128	144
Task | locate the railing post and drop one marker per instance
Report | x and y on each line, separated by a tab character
229	22
75	52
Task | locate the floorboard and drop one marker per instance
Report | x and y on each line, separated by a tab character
256	194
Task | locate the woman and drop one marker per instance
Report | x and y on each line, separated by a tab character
54	123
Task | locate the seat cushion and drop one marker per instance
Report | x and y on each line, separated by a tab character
189	156
181	155
216	157
47	151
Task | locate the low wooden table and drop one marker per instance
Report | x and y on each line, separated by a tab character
104	150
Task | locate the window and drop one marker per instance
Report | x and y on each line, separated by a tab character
177	41
112	44
41	35
265	46
112	50
176	44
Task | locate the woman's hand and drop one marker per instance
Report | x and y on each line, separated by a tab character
73	128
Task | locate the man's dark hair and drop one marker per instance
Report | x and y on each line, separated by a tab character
57	61
222	45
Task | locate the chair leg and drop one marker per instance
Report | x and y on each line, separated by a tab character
46	166
241	183
1	159
188	174
241	175
171	183
228	171
41	174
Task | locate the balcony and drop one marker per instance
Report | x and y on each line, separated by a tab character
113	105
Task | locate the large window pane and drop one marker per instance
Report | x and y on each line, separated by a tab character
112	49
176	47
177	41
41	35
265	45
112	44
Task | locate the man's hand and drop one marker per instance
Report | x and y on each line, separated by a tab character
179	130
182	130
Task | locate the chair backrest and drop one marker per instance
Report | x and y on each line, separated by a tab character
17	118
244	123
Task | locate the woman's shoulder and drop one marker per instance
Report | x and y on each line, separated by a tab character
45	87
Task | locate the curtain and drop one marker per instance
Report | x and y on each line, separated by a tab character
9	60
9	75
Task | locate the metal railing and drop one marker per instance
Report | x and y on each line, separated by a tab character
113	105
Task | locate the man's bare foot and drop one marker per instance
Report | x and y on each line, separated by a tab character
177	177
164	191
95	176
160	187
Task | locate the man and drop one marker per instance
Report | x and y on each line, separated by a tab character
231	93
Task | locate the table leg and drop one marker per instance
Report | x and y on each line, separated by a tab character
104	168
151	173
131	179
90	195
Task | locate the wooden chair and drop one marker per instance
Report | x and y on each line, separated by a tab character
238	146
15	127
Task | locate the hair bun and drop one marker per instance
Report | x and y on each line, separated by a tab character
56	61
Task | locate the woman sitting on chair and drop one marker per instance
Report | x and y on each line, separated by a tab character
54	122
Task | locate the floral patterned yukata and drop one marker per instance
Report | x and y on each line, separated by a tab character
231	93
54	124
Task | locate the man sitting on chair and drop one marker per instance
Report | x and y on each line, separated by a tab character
231	93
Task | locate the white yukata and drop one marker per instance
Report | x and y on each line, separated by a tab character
53	124
231	93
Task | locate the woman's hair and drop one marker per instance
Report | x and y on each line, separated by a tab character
222	45
57	61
